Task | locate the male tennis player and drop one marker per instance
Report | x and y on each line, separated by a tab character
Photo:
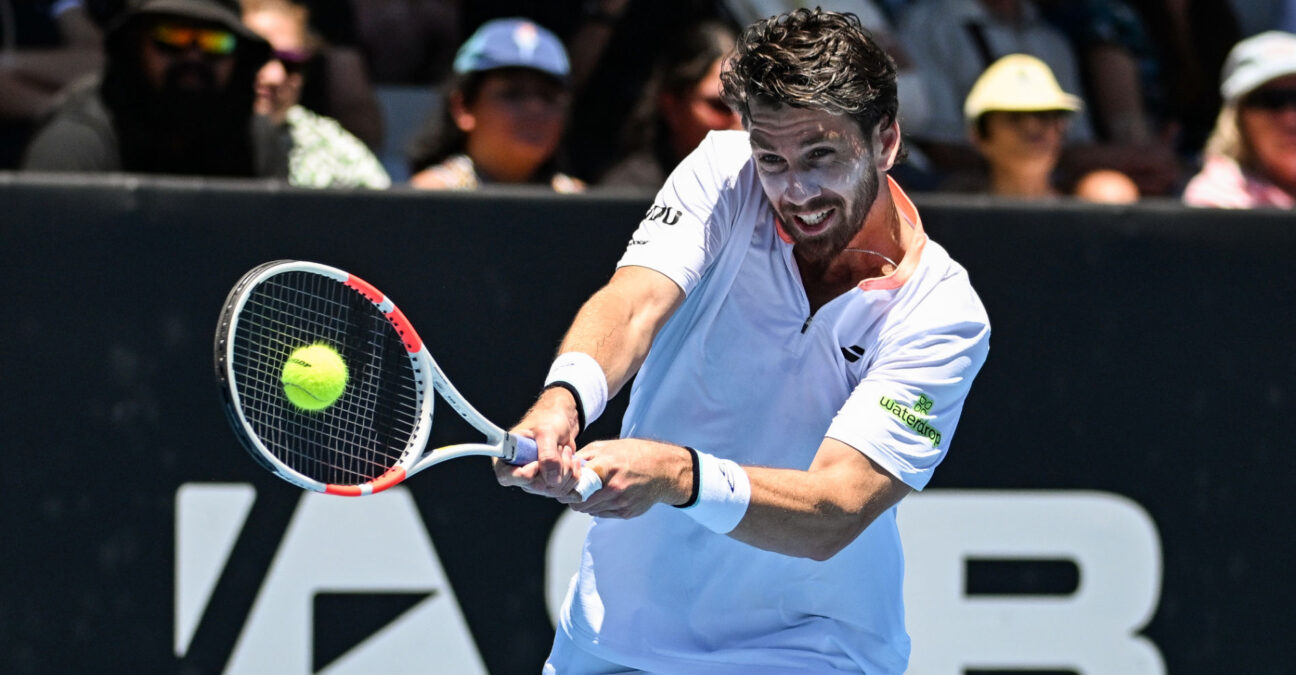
802	352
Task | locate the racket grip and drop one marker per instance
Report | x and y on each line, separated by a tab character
527	452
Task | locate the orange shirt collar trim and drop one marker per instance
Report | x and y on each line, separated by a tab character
909	213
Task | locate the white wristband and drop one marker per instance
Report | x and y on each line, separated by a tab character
723	493
585	375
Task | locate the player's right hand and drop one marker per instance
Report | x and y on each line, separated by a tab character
553	423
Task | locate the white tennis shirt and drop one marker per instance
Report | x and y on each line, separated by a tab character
743	371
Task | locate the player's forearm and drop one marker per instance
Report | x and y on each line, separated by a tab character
616	326
817	512
808	515
605	329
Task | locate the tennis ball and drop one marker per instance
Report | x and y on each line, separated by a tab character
314	377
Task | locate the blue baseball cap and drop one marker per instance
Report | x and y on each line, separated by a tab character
513	43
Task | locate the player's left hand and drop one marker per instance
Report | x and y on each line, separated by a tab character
636	474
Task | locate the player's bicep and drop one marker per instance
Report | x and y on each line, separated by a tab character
652	297
618	324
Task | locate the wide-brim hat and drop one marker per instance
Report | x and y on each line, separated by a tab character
1255	61
1017	83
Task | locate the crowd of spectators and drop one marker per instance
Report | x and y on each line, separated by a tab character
1106	100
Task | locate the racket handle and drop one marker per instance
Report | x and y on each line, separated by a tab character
527	452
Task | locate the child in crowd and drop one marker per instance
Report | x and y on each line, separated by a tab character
504	114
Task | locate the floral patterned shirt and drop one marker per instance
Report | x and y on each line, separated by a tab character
324	155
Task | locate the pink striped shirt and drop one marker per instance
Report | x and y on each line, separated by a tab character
1221	183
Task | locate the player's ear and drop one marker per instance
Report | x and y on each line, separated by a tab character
459	112
889	145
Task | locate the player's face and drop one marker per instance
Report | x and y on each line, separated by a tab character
279	82
1267	120
820	172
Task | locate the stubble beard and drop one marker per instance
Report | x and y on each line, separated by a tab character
824	246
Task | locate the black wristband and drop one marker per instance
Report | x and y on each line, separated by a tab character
571	389
697	480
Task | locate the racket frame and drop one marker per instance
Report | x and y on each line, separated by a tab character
499	443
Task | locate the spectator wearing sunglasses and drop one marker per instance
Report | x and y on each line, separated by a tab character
1250	157
321	153
175	98
681	104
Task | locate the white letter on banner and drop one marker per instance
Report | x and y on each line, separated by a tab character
208	519
374	544
1111	540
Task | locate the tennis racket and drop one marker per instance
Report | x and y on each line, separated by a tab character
375	435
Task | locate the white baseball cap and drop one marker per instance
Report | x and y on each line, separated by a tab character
1017	82
1256	60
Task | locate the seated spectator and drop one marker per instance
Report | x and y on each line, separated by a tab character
1250	158
175	98
681	104
613	46
504	113
44	47
953	41
1017	116
321	153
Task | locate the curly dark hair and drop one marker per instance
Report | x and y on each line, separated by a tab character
813	59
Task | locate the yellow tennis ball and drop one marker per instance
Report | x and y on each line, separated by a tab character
314	377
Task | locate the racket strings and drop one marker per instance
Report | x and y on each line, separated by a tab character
369	429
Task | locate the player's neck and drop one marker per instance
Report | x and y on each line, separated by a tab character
875	251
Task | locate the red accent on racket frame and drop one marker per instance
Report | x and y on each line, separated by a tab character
365	288
413	343
392	477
